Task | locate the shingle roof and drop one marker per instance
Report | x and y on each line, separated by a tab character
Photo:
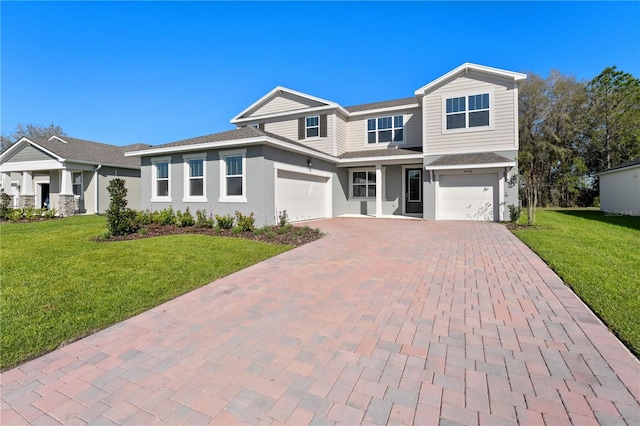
624	165
89	151
387	152
468	159
383	104
229	135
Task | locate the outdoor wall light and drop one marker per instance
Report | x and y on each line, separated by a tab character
513	181
309	162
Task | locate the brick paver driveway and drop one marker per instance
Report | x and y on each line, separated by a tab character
382	321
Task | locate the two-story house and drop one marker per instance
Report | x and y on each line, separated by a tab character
446	153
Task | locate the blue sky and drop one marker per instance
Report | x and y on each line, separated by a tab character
157	72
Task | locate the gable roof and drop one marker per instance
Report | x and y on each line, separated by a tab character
236	137
66	148
243	116
624	165
465	68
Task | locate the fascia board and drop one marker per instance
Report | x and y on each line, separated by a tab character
239	118
233	143
394	159
26	141
515	76
289	113
382	110
621	169
96	163
31	165
471	166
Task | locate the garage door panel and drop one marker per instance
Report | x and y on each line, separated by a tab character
468	197
302	196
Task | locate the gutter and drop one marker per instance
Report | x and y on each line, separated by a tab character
97	176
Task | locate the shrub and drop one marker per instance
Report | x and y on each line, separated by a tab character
283	218
225	222
245	223
164	217
184	219
5	204
31	213
50	213
144	217
15	215
120	219
514	213
236	230
202	220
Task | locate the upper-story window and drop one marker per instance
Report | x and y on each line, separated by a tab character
385	129
312	126
467	111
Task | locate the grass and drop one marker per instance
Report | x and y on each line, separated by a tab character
598	256
58	284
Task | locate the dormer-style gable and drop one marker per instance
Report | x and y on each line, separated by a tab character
281	102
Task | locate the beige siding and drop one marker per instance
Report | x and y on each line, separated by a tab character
357	130
501	137
29	153
341	135
288	128
284	102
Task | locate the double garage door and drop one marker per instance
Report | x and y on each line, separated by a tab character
303	196
469	197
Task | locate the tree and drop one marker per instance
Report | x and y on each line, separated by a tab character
29	130
613	127
120	218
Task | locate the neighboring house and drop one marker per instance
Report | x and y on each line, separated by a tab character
620	189
446	153
68	174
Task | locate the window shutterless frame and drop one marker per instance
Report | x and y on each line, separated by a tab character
161	179
233	176
467	112
195	179
385	129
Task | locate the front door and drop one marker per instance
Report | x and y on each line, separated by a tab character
413	193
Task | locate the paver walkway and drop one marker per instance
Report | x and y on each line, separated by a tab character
382	321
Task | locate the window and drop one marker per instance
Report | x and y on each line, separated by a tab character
195	181
233	182
161	175
76	183
312	126
467	111
363	184
385	129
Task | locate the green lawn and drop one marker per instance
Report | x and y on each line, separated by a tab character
599	257
58	285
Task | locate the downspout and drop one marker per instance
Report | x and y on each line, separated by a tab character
97	176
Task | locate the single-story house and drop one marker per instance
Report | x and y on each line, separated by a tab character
448	152
67	174
620	189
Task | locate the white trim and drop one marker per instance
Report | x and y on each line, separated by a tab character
58	138
384	110
277	90
366	169
307	127
393	129
186	197
334	116
224	198
466	67
20	144
31	165
471	166
154	185
620	169
392	159
516	125
74	184
466	95
295	112
302	170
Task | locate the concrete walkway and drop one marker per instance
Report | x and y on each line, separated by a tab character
382	321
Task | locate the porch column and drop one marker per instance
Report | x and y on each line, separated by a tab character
65	182
66	206
378	190
6	183
27	197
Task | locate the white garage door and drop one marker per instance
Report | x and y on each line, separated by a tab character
303	196
468	197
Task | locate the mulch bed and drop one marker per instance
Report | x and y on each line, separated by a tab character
293	235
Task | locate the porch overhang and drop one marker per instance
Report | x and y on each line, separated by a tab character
488	160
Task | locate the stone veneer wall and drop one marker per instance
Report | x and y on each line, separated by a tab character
27	201
66	205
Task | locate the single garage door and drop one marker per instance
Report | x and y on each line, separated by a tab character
303	196
468	197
